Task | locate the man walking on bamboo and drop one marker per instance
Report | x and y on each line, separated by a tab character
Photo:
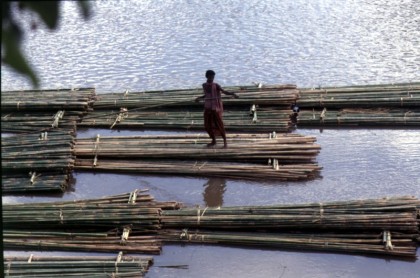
213	108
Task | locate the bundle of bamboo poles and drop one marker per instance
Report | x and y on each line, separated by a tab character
251	118
34	182
285	172
76	266
60	99
386	226
26	122
278	95
379	96
35	152
360	117
286	148
124	222
37	162
126	239
104	213
395	214
399	244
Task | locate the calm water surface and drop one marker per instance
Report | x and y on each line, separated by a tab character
145	45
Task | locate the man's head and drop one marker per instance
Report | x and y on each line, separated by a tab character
210	75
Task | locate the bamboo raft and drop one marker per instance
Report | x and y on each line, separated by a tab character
280	157
63	108
381	226
35	100
256	119
126	222
286	148
278	95
388	226
360	117
76	266
403	95
35	162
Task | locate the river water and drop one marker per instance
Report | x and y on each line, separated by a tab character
146	45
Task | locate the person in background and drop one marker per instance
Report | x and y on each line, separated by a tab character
294	116
213	108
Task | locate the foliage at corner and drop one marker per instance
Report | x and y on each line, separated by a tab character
12	33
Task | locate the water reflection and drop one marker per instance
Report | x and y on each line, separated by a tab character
213	192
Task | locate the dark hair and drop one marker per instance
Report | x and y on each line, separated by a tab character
210	73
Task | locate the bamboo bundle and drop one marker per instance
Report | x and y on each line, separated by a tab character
399	244
135	208
279	95
61	99
286	172
76	266
24	122
88	241
262	119
396	95
287	148
394	214
48	151
41	181
360	117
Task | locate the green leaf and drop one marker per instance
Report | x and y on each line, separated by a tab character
85	8
47	10
12	56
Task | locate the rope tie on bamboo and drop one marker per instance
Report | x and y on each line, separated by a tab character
117	261
34	176
387	240
96	150
275	164
126	94
121	116
253	112
322	116
61	217
184	234
133	197
272	135
43	136
124	236
18	105
30	258
57	117
200	216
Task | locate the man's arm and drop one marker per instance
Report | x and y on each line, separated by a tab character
228	93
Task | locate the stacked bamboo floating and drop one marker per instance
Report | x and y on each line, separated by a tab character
125	222
278	95
360	117
257	109
76	266
384	226
396	95
281	157
379	105
287	148
236	119
35	100
60	109
35	162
